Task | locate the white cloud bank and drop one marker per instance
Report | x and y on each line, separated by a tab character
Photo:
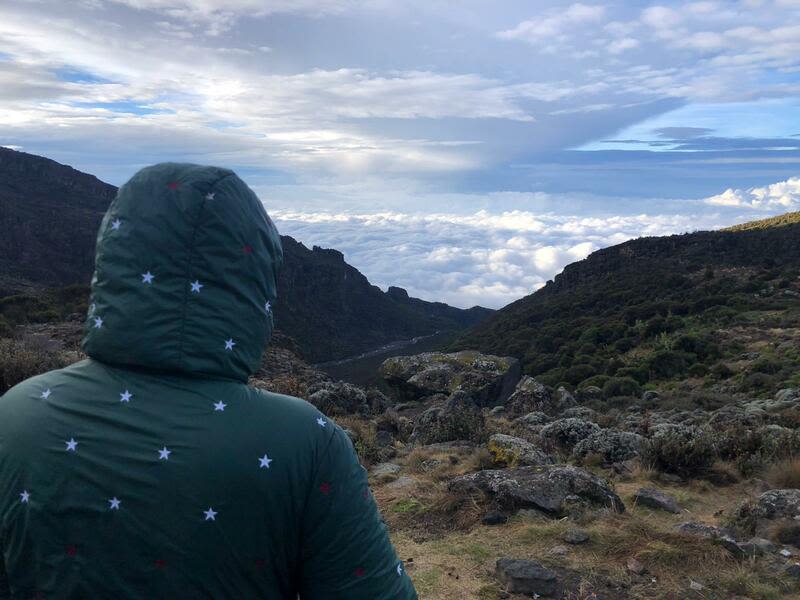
784	196
482	258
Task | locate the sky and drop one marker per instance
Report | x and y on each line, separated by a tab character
464	150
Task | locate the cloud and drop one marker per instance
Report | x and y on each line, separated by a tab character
486	258
784	196
558	25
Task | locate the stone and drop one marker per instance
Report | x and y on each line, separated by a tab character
457	418
613	445
384	469
511	451
656	499
494	517
339	398
564	400
696	586
547	488
635	567
650	396
526	577
533	420
383	439
529	396
565	433
787	394
770	506
559	550
575	536
792	571
488	379
723	537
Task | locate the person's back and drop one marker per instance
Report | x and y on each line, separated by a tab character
151	470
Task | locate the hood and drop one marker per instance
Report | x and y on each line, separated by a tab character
185	275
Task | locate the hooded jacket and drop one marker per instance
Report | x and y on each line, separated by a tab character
151	469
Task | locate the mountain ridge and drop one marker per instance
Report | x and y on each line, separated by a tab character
50	214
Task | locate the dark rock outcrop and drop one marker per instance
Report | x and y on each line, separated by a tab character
544	488
526	577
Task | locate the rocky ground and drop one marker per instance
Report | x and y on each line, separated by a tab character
496	486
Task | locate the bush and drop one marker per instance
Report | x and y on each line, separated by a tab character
666	364
21	359
683	450
640	374
621	386
721	371
698	370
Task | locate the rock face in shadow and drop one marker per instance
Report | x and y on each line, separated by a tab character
526	577
548	489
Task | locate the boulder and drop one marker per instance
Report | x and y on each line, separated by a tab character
457	418
613	445
770	506
488	379
526	577
579	412
339	398
529	396
565	433
564	399
385	469
575	536
534	420
650	396
550	489
494	517
515	452
656	499
787	394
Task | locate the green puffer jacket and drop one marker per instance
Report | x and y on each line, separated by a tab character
151	470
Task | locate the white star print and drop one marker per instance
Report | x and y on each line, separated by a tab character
46	394
399	569
211	514
219	406
229	344
196	287
114	503
268	306
125	396
321	422
98	322
24	497
72	445
148	277
115	224
264	462
164	453
210	195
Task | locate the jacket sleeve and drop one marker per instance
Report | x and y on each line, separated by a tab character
5	591
347	554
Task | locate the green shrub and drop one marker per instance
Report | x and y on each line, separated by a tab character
621	386
666	364
722	371
698	370
640	374
685	451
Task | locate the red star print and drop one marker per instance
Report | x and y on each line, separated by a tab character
260	563
160	563
365	494
359	572
72	550
248	249
173	185
325	487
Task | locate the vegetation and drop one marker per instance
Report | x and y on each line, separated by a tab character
711	308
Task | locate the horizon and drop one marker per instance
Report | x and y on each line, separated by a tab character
465	155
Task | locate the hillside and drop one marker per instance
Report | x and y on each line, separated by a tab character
49	214
719	309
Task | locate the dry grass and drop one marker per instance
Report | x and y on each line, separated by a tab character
785	474
454	555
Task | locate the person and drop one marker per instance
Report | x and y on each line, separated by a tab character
151	469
